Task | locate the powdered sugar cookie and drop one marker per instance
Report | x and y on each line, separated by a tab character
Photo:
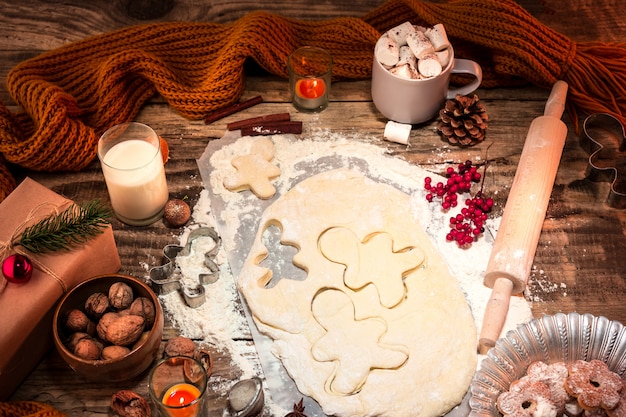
526	398
593	384
554	376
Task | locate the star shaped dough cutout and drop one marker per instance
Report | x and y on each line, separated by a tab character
353	344
372	261
254	171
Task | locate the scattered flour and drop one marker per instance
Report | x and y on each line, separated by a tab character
217	322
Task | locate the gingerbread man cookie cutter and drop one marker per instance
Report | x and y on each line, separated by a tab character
604	138
167	278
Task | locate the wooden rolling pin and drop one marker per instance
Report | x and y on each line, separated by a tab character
525	210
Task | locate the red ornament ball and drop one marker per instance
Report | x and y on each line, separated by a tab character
17	268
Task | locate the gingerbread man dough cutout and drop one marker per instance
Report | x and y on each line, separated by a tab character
355	345
254	171
363	266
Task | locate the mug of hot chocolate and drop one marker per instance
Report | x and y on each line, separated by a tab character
411	73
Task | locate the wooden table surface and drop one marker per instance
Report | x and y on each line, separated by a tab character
579	264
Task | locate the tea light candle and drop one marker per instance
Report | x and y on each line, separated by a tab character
310	93
182	395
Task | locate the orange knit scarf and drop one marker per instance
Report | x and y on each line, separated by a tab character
72	94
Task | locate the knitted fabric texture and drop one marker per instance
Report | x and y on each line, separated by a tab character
70	95
28	409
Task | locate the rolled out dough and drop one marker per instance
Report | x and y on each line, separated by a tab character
378	327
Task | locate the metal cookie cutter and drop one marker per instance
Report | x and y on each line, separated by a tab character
166	278
604	138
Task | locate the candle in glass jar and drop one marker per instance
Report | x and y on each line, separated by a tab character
310	71
182	395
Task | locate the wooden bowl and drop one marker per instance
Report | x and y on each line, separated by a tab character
111	370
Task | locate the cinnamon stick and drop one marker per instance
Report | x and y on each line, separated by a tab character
255	121
234	108
273	128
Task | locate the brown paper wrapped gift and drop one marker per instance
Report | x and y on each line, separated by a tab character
26	309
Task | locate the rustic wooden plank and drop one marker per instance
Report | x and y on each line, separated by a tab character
578	265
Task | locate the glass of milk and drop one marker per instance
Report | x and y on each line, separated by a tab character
130	156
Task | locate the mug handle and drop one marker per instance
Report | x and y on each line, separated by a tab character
466	66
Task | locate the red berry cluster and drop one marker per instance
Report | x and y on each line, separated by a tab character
468	225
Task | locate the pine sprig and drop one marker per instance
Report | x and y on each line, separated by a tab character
66	230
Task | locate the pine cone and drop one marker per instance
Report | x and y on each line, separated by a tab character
463	120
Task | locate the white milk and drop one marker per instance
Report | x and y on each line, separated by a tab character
135	178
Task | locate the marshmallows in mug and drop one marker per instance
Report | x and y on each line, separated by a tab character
414	52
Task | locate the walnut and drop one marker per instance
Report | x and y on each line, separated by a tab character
127	403
114	352
74	338
180	346
124	330
105	322
143	307
96	305
120	295
76	321
87	348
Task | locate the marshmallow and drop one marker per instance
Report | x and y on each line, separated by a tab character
387	51
397	132
438	37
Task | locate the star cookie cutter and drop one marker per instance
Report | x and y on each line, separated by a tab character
604	138
167	278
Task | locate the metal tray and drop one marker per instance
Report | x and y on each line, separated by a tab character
561	337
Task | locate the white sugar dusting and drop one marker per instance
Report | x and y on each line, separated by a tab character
221	324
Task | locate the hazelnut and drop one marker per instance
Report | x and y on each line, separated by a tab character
120	295
76	321
114	352
126	403
143	307
180	346
86	348
176	212
125	330
96	305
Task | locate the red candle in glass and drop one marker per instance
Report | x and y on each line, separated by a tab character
182	395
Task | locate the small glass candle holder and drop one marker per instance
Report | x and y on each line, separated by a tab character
310	70
130	156
178	386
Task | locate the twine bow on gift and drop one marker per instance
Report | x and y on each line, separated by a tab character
72	94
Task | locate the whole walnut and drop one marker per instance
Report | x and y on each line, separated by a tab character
87	348
105	322
120	295
76	321
180	346
114	352
96	305
124	330
143	307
